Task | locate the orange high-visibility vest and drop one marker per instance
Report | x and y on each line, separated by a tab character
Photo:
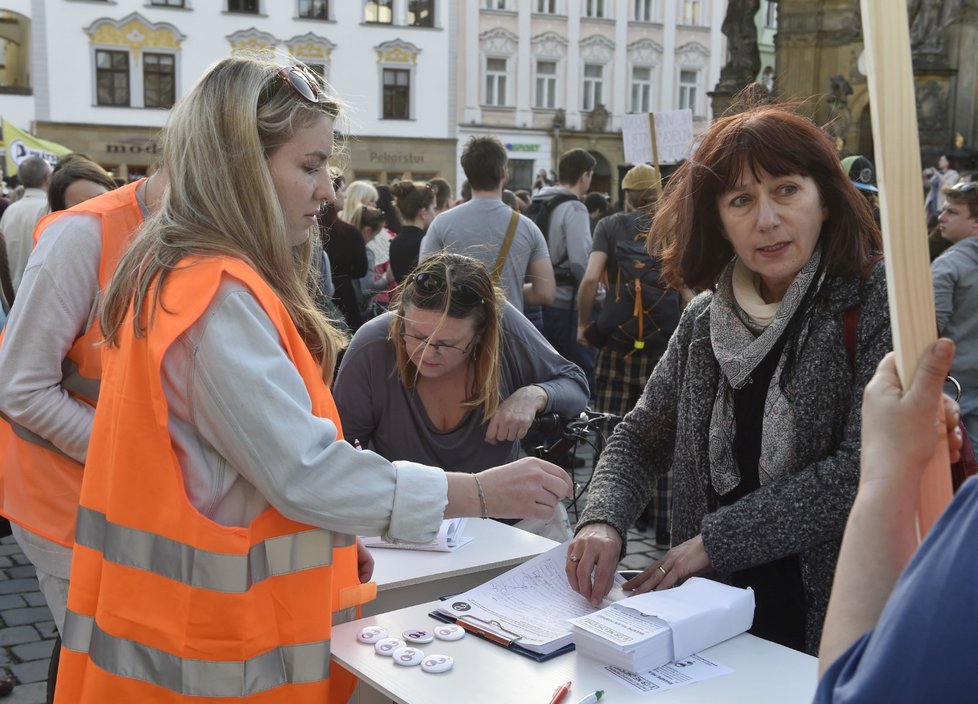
166	605
39	484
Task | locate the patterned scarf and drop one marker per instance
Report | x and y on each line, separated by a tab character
739	346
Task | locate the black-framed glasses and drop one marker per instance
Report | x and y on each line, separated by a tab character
966	187
437	347
300	82
431	284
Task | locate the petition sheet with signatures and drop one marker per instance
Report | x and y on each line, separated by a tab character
531	604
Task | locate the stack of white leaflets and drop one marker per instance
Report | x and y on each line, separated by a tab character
449	539
645	631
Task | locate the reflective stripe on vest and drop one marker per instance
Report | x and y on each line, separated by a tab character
32	437
192	677
221	572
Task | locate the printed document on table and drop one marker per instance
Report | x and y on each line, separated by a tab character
449	539
532	603
695	668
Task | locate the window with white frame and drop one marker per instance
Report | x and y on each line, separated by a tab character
167	3
397	62
594	9
771	15
247	7
495	4
593	93
496	81
125	74
314	9
642	11
546	7
688	89
421	13
548	51
641	88
692	12
379	12
111	77
546	85
159	80
397	94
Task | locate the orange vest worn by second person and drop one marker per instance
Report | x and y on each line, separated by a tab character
166	605
39	484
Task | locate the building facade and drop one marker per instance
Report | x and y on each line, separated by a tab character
419	76
102	75
820	58
551	75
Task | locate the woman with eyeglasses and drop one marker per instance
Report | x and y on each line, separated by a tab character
453	375
754	408
215	542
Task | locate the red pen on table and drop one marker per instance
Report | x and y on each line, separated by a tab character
561	692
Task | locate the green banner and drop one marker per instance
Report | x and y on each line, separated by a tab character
20	145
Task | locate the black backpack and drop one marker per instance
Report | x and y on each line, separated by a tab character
640	311
539	211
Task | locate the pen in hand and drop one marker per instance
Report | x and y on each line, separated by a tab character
592	698
560	693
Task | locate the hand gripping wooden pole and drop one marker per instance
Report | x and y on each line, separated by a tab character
894	114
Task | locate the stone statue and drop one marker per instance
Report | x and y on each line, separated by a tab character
840	115
928	18
560	119
741	33
597	119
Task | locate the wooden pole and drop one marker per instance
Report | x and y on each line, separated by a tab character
655	157
894	114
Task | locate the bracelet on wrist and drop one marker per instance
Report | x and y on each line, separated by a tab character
482	496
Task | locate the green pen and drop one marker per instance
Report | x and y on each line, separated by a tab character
592	698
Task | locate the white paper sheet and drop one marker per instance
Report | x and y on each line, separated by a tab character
532	600
695	668
449	539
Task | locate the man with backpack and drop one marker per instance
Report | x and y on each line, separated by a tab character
637	318
487	229
563	218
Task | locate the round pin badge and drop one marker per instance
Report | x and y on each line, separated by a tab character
387	646
371	634
438	663
418	635
449	631
408	656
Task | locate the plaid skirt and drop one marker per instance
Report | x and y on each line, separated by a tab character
620	380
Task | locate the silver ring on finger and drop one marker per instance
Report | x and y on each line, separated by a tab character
663	570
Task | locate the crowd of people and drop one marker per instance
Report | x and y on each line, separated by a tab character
167	386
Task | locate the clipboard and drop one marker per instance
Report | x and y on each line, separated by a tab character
500	640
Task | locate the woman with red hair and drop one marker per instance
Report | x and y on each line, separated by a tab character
754	407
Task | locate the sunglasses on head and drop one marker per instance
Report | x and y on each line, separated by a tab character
302	83
966	187
431	284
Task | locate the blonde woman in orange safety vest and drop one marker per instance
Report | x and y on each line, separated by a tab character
219	505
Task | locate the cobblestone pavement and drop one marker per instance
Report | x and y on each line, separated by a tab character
27	632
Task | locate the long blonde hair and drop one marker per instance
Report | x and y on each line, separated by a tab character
221	199
358	193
